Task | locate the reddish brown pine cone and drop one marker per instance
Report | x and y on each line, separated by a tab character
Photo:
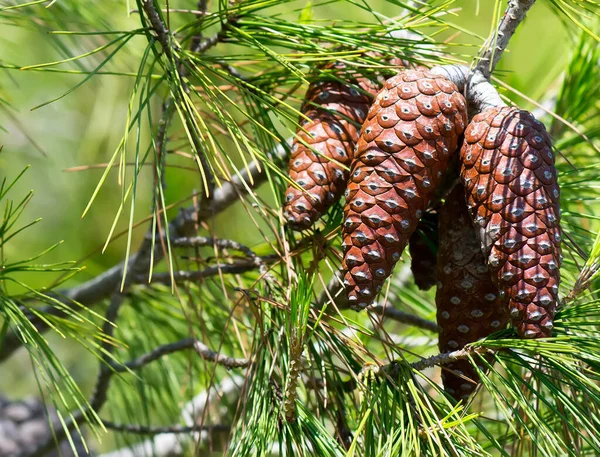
410	133
469	306
423	245
335	111
513	196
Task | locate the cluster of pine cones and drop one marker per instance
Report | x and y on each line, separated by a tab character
489	241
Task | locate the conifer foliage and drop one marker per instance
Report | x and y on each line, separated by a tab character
292	178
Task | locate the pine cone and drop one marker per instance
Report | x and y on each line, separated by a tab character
513	196
423	246
410	133
469	306
335	111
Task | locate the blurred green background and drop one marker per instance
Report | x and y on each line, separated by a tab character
84	128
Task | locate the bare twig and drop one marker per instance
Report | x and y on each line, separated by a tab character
170	48
169	444
198	241
449	357
475	85
170	348
404	317
514	14
153	355
159	430
335	290
101	287
227	362
225	268
109	368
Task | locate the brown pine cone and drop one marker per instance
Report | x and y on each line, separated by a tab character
335	111
423	245
513	196
469	306
410	133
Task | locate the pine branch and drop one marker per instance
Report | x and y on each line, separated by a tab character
99	288
199	241
404	317
214	270
169	444
449	357
170	348
479	92
160	430
335	290
435	360
109	368
514	14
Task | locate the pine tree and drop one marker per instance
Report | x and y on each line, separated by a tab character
222	328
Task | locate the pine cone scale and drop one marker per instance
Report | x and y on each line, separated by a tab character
404	147
469	306
512	191
323	147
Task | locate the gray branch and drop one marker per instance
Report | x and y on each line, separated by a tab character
213	270
160	430
479	92
102	286
449	357
170	348
514	14
335	290
403	317
170	444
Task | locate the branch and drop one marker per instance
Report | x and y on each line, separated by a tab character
199	241
449	357
171	50
111	367
480	94
225	268
478	91
169	444
335	290
159	430
102	286
404	317
171	348
513	15
227	362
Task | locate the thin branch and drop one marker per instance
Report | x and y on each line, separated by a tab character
160	430
110	368
171	51
169	444
99	288
514	14
449	357
227	362
335	290
155	354
199	241
404	317
474	84
213	270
